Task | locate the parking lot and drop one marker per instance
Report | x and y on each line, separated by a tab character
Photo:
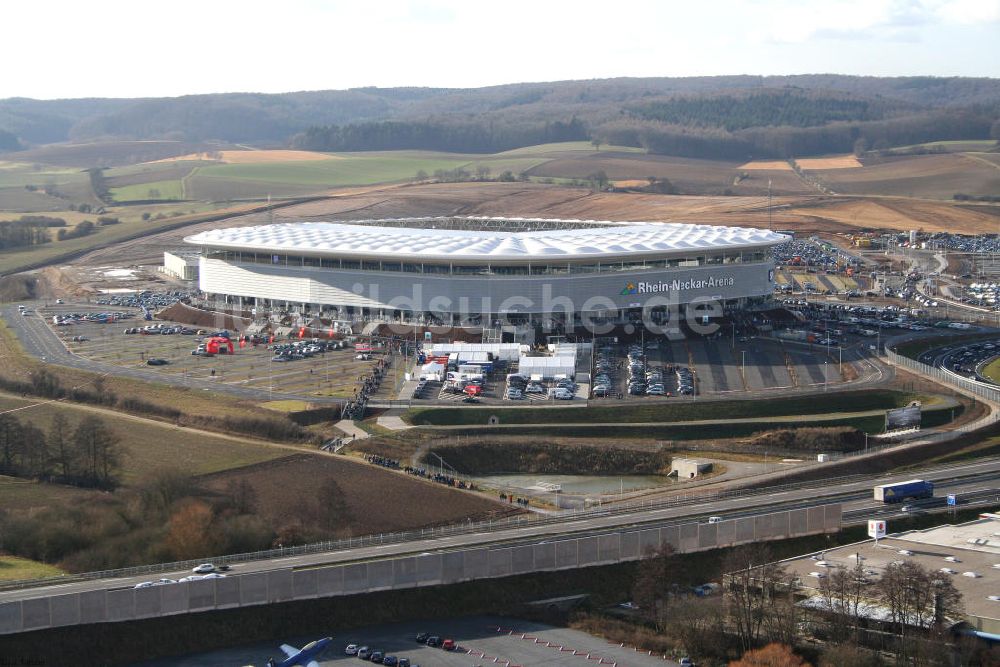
167	347
480	641
717	366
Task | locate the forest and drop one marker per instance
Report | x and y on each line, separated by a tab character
731	117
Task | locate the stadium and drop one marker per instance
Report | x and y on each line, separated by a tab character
460	270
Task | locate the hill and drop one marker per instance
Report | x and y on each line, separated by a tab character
730	117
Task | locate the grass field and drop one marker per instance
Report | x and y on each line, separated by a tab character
153	446
992	370
131	225
14	569
347	169
855	401
959	146
369	500
22	494
678	432
163	190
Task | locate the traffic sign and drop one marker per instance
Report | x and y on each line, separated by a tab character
952	500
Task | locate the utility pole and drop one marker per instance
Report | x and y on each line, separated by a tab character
770	224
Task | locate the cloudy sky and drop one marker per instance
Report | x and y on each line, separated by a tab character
132	48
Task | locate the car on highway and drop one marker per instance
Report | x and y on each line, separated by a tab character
156	362
144	584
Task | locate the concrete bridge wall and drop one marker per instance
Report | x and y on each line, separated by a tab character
283	585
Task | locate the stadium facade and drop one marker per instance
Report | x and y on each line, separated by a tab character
459	268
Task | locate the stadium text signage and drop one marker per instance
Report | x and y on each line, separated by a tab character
678	285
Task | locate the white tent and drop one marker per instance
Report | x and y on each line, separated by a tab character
547	367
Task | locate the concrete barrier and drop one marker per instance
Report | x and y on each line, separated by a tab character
627	544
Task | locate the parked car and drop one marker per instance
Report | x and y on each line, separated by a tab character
390	660
351	649
377	656
434	640
422	637
364	653
448	645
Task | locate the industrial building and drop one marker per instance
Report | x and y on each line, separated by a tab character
458	270
968	554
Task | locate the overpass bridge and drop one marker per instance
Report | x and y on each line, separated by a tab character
115	600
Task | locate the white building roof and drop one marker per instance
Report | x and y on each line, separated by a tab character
371	240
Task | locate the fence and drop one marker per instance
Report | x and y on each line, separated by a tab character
945	376
509	523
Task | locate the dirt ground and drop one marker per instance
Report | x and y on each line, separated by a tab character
833	162
366	499
802	214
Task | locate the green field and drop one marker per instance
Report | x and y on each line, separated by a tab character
678	432
680	411
162	190
16	569
349	169
992	370
959	146
131	226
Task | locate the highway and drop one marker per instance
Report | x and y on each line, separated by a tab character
974	480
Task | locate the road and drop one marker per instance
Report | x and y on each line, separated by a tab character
970	478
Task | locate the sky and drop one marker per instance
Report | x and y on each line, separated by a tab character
137	48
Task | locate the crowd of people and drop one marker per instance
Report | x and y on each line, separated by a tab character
368	384
440	478
523	502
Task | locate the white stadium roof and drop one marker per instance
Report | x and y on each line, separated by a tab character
590	242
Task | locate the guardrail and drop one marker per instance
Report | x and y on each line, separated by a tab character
516	522
521	521
989	392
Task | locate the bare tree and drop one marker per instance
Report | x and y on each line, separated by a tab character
99	451
844	593
656	579
917	599
756	591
